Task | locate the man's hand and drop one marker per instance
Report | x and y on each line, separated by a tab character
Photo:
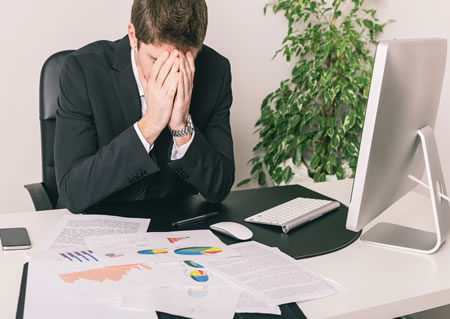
159	91
183	96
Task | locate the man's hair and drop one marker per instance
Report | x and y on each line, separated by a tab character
181	23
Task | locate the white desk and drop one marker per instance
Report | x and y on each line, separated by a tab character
382	283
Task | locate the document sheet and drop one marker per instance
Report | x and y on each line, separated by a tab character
270	274
98	266
72	230
161	247
46	299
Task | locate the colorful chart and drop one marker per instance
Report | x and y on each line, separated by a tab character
198	292
193	264
113	273
113	255
199	275
152	251
175	239
79	256
198	251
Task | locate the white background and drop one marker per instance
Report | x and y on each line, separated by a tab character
31	31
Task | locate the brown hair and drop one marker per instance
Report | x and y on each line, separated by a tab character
181	23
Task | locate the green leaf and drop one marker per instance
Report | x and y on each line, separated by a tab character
287	174
318	148
243	182
349	121
320	177
368	23
352	149
297	155
256	168
262	178
294	121
258	146
335	141
330	165
340	173
330	131
314	161
277	175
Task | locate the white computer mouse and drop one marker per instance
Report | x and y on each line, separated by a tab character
233	229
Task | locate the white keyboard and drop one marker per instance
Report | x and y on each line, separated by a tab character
294	213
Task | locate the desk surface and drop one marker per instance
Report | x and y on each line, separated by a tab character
381	283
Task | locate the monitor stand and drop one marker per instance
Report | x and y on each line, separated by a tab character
411	239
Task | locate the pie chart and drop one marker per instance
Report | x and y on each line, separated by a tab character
198	292
152	251
198	251
199	275
193	264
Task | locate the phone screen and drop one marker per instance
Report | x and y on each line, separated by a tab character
14	238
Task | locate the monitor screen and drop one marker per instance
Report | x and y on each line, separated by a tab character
404	98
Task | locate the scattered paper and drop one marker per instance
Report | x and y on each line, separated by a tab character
72	230
199	294
271	275
44	299
160	247
252	304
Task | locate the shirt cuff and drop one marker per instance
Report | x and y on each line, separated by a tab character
178	152
144	142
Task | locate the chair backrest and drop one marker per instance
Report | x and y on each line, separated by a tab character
48	103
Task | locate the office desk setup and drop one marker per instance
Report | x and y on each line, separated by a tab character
379	282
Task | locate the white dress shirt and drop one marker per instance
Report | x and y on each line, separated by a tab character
177	152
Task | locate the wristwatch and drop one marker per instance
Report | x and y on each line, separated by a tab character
189	129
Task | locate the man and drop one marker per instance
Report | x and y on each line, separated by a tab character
147	116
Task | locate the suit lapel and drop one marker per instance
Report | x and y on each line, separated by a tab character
125	83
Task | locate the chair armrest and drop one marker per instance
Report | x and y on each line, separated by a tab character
39	196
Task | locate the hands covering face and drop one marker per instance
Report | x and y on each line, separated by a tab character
168	90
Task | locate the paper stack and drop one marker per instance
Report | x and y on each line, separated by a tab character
108	269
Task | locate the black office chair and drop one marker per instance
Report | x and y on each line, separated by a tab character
45	195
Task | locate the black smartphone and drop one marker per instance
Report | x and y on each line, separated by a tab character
14	238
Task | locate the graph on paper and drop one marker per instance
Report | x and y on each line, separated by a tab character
176	239
82	256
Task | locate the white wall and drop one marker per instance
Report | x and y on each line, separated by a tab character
33	30
30	32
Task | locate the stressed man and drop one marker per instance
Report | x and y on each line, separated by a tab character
147	116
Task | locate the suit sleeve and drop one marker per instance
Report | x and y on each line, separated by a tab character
208	164
86	172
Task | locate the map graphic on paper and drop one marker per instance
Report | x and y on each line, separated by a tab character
175	239
198	251
113	273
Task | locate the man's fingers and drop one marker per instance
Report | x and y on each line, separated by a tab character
190	58
186	69
157	65
166	68
187	84
141	76
180	88
172	83
173	73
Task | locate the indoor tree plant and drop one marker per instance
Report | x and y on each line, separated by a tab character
320	109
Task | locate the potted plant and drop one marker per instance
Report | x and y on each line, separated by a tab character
315	117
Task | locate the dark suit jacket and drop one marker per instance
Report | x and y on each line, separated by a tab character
98	155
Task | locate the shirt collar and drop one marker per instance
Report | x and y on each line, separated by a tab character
136	74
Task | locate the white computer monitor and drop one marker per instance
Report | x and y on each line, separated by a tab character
398	144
